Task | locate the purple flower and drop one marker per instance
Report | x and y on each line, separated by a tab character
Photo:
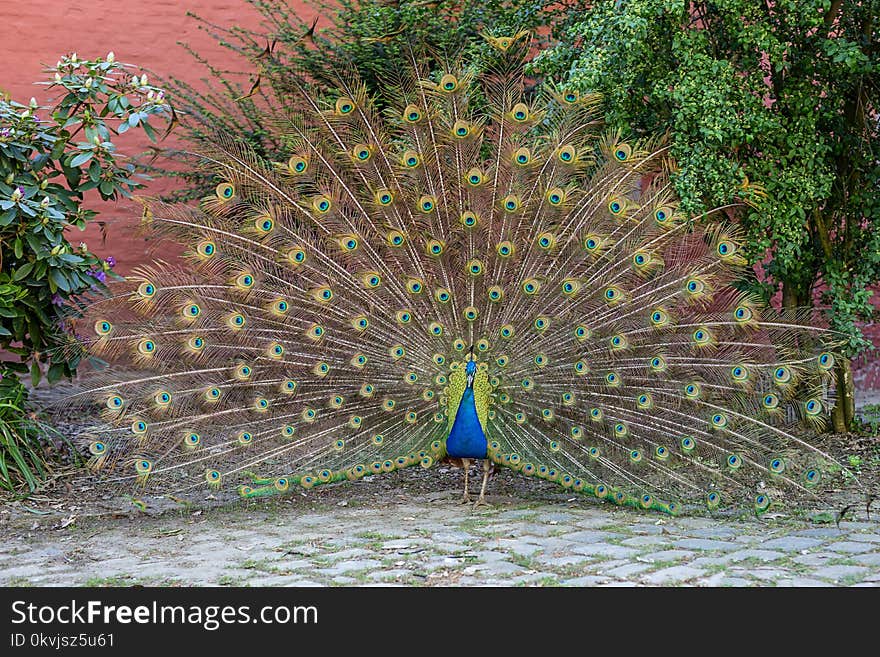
5	132
99	274
111	262
57	300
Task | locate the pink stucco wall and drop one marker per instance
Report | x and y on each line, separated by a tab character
146	34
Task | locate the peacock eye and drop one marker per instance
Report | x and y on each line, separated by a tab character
225	191
520	112
449	82
344	105
412	114
297	164
522	156
146	290
726	248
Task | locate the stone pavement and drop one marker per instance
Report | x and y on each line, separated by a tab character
430	540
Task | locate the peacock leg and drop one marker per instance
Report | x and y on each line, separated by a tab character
466	464
481	501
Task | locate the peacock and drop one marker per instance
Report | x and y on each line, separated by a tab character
458	267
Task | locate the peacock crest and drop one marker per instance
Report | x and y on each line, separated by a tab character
461	259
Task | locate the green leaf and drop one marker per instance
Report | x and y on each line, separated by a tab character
151	133
37	245
56	371
81	159
23	271
9	216
57	276
36	374
94	171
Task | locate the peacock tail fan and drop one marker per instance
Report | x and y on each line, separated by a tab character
319	326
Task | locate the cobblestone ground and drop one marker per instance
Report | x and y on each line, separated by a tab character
428	540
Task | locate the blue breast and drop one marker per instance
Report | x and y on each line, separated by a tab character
467	439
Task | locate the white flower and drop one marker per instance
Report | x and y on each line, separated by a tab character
110	56
58	77
33	103
144	80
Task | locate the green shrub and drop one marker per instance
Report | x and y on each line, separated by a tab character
22	462
50	160
869	419
47	166
780	98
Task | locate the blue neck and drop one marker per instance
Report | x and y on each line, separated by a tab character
467	439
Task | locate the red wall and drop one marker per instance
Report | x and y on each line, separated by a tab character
146	34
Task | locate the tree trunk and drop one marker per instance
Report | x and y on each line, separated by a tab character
845	407
790	295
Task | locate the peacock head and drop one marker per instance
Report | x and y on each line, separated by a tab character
470	368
